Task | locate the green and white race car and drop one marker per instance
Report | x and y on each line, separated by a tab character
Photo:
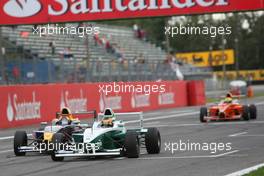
107	137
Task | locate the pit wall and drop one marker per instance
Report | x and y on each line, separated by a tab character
31	104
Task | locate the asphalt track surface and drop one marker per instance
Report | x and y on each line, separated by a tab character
246	138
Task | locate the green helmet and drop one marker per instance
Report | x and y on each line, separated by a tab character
109	113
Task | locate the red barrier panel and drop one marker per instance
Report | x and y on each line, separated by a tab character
31	104
196	93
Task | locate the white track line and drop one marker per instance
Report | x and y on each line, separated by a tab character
152	123
169	112
235	123
246	171
134	121
6	151
185	113
163	117
178	125
191	157
237	134
11	137
252	135
7	137
260	103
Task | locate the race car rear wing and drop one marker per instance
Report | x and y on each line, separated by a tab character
93	112
235	96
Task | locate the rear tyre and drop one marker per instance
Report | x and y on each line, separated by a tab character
152	140
57	139
245	113
132	147
203	114
20	139
253	111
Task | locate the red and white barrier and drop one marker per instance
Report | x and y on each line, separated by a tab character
51	11
31	104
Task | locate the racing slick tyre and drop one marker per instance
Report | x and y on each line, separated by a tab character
20	139
245	113
203	113
132	146
57	139
253	111
152	140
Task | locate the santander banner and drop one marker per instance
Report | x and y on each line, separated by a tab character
51	11
31	104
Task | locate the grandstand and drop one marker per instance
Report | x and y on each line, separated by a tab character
91	61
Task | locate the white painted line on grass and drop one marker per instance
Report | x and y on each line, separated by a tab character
246	171
190	157
237	134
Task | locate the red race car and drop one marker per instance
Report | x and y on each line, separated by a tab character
228	109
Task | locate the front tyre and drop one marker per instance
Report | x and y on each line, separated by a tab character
132	147
253	111
245	113
203	114
20	139
152	140
57	140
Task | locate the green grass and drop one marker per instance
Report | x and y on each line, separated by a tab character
259	172
259	94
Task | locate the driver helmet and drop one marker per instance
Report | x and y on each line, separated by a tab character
228	98
66	112
108	117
